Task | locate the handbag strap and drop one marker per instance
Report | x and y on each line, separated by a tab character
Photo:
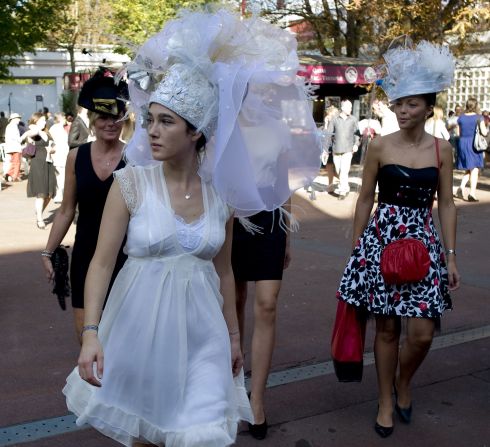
429	214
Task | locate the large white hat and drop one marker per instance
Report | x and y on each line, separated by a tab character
14	115
409	70
236	81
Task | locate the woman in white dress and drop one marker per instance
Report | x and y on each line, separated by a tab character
164	367
170	318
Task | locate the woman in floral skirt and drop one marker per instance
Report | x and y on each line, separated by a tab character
410	166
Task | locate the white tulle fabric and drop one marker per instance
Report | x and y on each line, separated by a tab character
266	144
167	374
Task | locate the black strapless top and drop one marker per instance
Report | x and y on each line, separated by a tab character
403	186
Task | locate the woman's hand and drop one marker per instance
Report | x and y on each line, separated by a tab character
91	352
236	354
453	275
48	268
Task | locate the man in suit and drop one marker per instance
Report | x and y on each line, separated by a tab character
79	130
344	128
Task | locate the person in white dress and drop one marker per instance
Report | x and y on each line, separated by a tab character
162	364
436	126
170	318
60	139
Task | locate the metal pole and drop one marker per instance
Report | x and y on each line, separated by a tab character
10	109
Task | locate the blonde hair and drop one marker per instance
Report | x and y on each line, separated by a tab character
35	117
438	114
92	118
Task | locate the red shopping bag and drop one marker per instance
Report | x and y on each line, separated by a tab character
348	342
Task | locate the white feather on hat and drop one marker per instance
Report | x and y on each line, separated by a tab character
427	68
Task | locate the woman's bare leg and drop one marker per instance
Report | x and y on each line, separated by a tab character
420	332
46	201
263	340
39	207
386	355
241	300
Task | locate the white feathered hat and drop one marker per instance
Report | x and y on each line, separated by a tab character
425	68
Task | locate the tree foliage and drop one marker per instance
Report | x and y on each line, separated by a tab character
134	21
365	27
82	23
23	25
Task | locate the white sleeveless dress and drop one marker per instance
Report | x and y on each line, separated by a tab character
167	363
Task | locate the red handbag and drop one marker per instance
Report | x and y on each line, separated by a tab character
347	343
405	260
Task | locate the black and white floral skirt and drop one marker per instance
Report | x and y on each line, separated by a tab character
362	284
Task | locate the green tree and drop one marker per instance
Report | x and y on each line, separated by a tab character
24	24
82	23
134	21
365	27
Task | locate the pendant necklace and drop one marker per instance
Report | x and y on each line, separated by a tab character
187	196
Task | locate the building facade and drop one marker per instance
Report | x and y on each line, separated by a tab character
38	80
471	79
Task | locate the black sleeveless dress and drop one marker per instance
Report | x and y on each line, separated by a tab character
259	256
404	201
91	195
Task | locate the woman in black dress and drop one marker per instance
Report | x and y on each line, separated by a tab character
260	257
41	183
88	179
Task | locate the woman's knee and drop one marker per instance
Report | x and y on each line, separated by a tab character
266	296
387	330
265	309
420	340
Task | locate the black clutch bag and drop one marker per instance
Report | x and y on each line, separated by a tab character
60	261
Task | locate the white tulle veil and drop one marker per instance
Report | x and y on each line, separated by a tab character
262	140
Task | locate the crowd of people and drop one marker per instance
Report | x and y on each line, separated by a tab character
173	225
341	140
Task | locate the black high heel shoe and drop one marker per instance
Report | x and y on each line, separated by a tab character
384	432
381	430
258	431
405	414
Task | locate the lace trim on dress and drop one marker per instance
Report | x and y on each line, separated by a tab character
128	189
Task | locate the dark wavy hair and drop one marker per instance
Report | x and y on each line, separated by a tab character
201	143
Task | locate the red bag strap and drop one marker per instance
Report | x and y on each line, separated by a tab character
429	214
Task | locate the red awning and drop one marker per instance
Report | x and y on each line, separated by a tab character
325	70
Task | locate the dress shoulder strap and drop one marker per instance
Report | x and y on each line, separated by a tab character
129	182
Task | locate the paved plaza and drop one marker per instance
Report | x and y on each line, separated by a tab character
306	406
